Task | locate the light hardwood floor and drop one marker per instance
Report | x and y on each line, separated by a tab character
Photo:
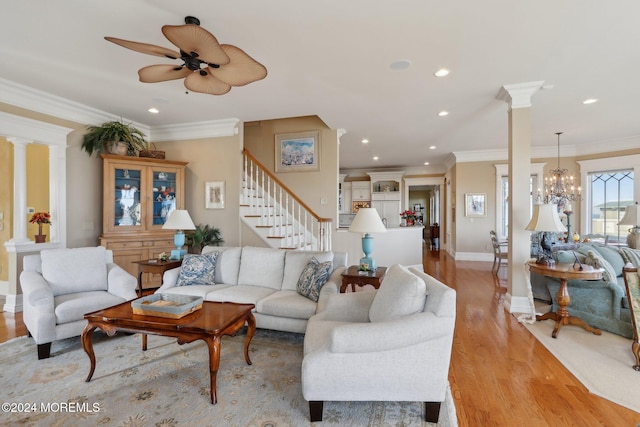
500	375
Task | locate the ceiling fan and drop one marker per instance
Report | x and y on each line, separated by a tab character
208	66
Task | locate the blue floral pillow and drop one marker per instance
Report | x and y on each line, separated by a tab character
198	269
314	275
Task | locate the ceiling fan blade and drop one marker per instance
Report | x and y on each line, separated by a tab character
241	69
192	38
162	73
206	84
149	49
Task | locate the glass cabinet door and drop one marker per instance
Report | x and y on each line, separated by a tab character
127	211
164	194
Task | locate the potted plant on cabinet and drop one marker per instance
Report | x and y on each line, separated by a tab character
114	137
202	236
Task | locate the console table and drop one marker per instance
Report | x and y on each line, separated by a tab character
564	272
354	276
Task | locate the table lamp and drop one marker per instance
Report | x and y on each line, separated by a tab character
545	219
367	221
632	217
178	220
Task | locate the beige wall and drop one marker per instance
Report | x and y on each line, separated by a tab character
214	159
472	233
37	185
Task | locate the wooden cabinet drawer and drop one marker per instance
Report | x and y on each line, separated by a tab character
124	245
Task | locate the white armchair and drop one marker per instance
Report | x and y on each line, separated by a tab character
61	285
392	344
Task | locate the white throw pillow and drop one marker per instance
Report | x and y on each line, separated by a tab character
75	270
261	267
401	293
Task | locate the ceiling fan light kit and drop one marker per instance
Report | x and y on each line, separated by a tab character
208	66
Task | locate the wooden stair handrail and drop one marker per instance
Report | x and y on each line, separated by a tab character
286	189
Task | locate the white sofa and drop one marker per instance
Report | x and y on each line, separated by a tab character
267	278
393	344
61	285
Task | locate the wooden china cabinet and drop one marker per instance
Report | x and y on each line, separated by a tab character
138	194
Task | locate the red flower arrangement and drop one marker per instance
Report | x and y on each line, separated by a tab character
408	214
40	218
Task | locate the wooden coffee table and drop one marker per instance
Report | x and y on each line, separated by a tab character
209	324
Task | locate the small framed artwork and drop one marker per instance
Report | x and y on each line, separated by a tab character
298	152
475	204
214	195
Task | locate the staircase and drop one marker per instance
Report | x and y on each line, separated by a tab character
276	214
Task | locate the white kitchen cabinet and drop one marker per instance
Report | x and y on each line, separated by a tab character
360	191
389	209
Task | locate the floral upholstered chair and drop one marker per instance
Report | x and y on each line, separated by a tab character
632	283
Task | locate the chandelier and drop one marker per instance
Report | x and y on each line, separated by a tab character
559	188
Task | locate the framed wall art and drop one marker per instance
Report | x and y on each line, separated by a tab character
475	204
214	195
298	152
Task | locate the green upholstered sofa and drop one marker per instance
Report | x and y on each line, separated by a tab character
601	303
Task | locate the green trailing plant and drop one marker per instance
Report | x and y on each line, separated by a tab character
204	235
102	139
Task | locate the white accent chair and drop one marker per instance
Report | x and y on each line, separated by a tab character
393	344
61	285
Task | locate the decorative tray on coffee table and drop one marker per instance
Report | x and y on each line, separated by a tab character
166	305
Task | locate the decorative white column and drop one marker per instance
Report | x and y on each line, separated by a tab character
21	131
19	189
518	96
58	194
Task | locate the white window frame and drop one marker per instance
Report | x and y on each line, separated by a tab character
605	165
502	170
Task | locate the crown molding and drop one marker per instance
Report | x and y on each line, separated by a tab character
30	130
195	130
46	103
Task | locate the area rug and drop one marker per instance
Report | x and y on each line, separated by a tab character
168	386
602	363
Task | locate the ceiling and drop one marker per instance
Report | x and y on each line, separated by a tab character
332	59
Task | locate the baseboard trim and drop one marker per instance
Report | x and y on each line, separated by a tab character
473	256
13	304
517	304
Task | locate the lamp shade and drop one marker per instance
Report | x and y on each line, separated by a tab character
545	218
631	216
367	220
179	220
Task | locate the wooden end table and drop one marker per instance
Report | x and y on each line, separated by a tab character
209	324
352	276
154	266
564	272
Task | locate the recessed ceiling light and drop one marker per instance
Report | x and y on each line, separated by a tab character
402	64
433	147
426	163
365	141
376	158
589	101
153	110
443	113
441	72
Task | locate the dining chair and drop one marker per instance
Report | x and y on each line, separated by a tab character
500	252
